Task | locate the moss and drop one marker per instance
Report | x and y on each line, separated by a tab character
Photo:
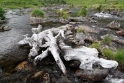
37	13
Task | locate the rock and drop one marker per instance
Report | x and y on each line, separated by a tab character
23	66
12	57
2	21
39	77
114	25
77	19
6	28
63	21
38	20
93	75
121	33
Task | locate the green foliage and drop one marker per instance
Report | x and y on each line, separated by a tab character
107	40
2	13
109	53
65	15
83	11
120	55
96	45
37	13
99	8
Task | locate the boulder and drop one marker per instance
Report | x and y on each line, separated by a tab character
92	75
121	33
77	19
63	21
114	25
4	28
37	20
39	77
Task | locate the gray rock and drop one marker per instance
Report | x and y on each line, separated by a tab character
114	25
6	28
92	75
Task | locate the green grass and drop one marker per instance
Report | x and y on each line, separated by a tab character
37	13
83	11
95	3
65	15
20	3
97	46
109	53
107	40
2	13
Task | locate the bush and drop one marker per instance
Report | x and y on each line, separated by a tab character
37	13
83	11
2	13
107	40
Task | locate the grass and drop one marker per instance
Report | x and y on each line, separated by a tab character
95	3
37	13
109	53
107	40
20	3
79	30
65	15
97	46
2	13
83	11
118	56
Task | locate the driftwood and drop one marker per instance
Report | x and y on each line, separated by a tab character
52	40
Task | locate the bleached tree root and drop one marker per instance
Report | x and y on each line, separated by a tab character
52	40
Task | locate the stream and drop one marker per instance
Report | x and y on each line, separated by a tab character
19	21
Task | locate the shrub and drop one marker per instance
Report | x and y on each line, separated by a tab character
107	40
37	13
109	53
83	11
2	13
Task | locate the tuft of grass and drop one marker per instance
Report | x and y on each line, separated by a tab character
107	40
99	8
65	15
119	55
83	11
108	53
2	12
37	13
79	30
96	45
